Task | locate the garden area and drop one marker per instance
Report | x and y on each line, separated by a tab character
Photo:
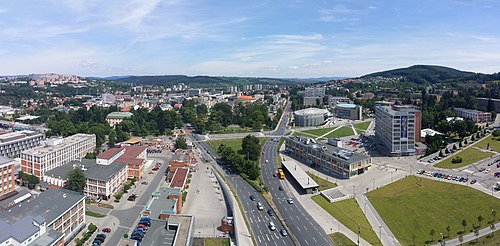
466	157
349	214
417	209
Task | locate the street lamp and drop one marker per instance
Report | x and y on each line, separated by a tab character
442	238
365	208
391	177
380	232
355	193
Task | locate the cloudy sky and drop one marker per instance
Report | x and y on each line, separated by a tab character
275	38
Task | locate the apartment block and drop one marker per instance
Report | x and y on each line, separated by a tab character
134	156
116	118
314	92
56	152
102	181
349	111
7	172
51	218
333	101
398	128
13	143
339	161
475	115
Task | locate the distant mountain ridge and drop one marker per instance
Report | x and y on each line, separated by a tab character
421	74
201	81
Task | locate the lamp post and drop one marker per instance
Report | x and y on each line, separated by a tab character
365	208
391	177
380	232
442	238
355	193
373	184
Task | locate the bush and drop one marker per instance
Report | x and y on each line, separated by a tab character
496	133
125	235
457	159
118	195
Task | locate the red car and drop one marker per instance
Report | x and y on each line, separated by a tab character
143	226
107	230
155	168
275	175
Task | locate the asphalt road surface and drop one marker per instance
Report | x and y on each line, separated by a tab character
303	226
258	219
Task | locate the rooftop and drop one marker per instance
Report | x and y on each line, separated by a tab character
346	105
91	169
4	161
66	142
309	111
179	177
119	115
470	110
110	153
298	173
17	135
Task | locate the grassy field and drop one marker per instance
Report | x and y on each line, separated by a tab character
233	129
494	144
341	132
94	214
362	126
323	183
348	213
234	143
469	156
414	206
302	134
488	240
320	131
216	242
340	239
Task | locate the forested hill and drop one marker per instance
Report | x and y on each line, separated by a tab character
422	74
204	81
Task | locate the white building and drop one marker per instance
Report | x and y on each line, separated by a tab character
309	117
475	115
349	111
13	143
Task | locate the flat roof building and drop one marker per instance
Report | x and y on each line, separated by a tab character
307	183
51	218
13	143
134	156
309	117
348	111
7	175
474	115
115	118
398	129
342	162
56	152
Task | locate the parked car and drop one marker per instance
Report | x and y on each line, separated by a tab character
137	238
144	183
140	233
139	229
252	197
155	169
146	223
106	230
473	181
103	236
143	226
497	174
131	198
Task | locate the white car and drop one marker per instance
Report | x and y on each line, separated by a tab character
271	226
259	206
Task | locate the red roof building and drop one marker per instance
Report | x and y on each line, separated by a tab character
134	156
180	178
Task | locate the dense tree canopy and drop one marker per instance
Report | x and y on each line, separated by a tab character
76	180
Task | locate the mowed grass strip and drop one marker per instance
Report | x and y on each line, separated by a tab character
344	131
416	205
323	183
348	213
234	143
320	131
340	239
216	242
494	144
469	156
362	125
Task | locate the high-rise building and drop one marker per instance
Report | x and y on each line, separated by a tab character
13	143
314	92
56	152
398	128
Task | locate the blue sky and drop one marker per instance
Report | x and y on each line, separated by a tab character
275	38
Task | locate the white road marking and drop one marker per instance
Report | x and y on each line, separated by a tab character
306	242
258	237
305	228
268	238
315	240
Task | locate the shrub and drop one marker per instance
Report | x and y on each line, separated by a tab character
125	235
496	133
457	159
118	195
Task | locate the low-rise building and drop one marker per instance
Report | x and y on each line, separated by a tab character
13	143
349	111
181	159
339	161
52	218
134	156
474	115
309	117
116	118
56	152
180	178
333	101
8	176
102	181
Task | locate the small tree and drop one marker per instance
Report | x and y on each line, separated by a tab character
460	144
76	180
431	233
457	159
448	229
447	151
494	214
480	219
180	143
464	223
466	142
441	154
454	147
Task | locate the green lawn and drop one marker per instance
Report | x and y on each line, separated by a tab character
320	131
216	242
340	239
94	214
488	240
348	213
469	156
494	144
233	129
234	143
341	132
323	183
363	125
303	134
415	206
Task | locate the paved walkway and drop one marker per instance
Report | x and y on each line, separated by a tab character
354	130
329	132
371	214
471	236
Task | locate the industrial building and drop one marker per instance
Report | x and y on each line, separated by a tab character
398	129
339	161
349	111
56	152
309	117
13	143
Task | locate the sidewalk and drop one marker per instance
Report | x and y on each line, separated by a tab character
471	236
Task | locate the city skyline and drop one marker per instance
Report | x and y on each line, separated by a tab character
261	38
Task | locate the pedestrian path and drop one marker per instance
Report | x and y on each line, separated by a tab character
471	236
329	132
354	130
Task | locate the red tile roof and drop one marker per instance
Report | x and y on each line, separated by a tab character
108	154
179	177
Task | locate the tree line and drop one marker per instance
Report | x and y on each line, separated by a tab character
245	161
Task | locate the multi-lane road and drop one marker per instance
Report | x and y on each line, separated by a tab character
301	224
258	219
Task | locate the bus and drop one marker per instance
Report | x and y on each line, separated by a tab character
281	174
